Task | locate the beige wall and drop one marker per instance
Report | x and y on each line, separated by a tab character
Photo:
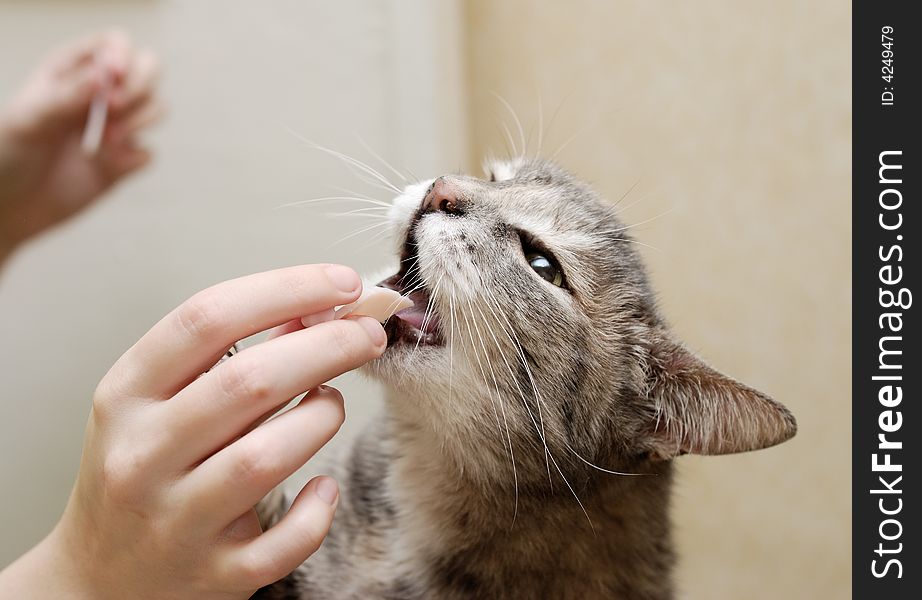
733	120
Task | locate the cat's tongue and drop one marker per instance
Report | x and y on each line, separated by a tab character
416	316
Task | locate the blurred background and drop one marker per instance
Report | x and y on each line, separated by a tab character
725	125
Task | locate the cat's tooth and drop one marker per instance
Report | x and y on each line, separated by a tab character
376	302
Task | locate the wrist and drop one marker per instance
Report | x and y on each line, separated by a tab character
45	571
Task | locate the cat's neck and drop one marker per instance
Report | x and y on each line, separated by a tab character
480	534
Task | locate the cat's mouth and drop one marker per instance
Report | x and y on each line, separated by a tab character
418	325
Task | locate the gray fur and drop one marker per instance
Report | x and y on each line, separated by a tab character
573	381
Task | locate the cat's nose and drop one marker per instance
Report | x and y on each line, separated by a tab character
442	196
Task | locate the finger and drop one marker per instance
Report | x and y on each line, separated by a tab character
192	337
279	551
138	82
115	56
285	329
69	99
85	69
302	323
78	54
127	125
233	480
221	404
122	159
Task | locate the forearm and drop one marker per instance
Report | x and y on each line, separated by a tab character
44	572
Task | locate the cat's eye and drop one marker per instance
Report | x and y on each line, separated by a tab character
545	268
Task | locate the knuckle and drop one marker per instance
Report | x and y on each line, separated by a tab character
120	474
255	464
102	400
110	392
260	568
202	315
242	377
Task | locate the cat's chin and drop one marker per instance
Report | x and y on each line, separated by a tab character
405	363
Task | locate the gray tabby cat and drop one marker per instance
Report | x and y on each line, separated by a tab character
535	401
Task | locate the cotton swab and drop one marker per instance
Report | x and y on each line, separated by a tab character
96	120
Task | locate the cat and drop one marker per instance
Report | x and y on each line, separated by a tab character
535	402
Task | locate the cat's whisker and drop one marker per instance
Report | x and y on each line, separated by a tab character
511	335
539	430
575	495
371	211
518	123
373	182
565	143
550	123
333	199
473	320
540	125
597	467
633	241
369	149
464	348
511	148
552	459
360	195
427	315
360	232
349	160
411	273
407	293
579	131
499	425
645	221
451	345
625	194
378	236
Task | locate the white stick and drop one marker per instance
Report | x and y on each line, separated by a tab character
96	119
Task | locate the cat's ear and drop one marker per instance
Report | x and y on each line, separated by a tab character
698	410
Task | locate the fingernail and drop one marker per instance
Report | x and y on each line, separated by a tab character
374	330
327	490
344	278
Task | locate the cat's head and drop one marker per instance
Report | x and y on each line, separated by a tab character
535	330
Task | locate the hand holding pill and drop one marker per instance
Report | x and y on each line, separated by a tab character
177	451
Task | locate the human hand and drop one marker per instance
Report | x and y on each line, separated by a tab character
172	464
45	176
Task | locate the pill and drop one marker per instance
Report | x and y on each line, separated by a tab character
376	302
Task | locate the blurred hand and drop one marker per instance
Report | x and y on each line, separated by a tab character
175	460
45	176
